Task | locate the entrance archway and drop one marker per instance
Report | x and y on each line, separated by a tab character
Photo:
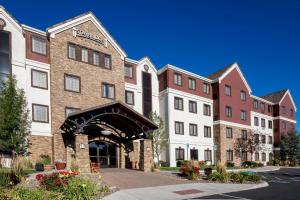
103	153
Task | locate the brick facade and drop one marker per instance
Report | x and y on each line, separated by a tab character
39	145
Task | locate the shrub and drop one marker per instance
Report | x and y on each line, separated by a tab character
21	193
273	162
260	164
8	178
221	168
190	169
237	177
250	164
78	188
253	178
229	164
220	177
181	162
45	159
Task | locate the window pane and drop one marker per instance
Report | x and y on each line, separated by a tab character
96	58
192	84
39	79
128	71
84	55
39	45
129	97
107	61
72	51
108	91
70	110
72	83
40	113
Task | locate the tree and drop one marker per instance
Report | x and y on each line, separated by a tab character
158	136
289	147
14	122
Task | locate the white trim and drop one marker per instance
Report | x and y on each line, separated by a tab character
234	66
131	60
289	93
11	19
285	119
82	19
262	115
146	59
36	63
168	66
231	124
261	99
34	30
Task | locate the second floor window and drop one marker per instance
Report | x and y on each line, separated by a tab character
39	45
207	155
263	123
228	111
256	121
207	131
192	106
229	132
96	58
128	71
206	110
270	124
228	90
40	113
129	97
39	79
263	139
178	103
255	104
205	88
179	128
263	156
84	55
270	140
177	79
193	129
243	95
72	83
244	134
243	115
108	91
192	84
262	107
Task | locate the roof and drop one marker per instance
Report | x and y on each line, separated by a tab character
219	73
275	97
12	18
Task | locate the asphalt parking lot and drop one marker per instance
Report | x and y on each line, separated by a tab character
284	184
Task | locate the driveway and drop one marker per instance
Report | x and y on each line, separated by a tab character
126	178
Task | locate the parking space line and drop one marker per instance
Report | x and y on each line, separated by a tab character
235	197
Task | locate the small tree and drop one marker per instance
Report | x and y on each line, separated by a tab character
14	122
158	136
289	146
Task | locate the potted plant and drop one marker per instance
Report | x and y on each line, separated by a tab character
208	171
46	160
60	164
39	166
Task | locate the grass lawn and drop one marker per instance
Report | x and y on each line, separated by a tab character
26	171
169	168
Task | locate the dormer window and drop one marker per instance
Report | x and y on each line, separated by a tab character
39	45
128	71
192	84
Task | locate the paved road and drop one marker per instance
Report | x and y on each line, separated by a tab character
284	184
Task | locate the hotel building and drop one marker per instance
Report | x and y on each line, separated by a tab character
88	101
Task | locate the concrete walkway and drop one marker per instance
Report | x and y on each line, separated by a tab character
181	191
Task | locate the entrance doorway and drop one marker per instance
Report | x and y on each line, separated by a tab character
103	153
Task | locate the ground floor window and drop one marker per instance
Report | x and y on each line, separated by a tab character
244	156
271	156
229	155
263	156
207	155
194	154
256	156
179	153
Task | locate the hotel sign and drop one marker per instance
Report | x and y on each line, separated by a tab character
90	36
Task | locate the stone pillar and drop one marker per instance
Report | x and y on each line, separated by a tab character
122	157
82	153
146	159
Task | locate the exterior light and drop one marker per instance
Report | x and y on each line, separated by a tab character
106	132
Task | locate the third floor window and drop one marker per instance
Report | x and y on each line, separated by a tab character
206	110
193	106
228	111
108	91
192	84
128	71
255	104
205	88
243	95
177	79
263	123
243	115
228	90
39	79
178	103
72	83
39	45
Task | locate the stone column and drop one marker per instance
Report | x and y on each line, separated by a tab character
146	159
82	153
122	157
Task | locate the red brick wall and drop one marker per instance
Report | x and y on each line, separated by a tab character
133	79
32	55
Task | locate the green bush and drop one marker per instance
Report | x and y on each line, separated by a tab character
8	178
260	164
21	193
181	162
237	177
79	189
233	177
273	162
229	164
253	178
45	159
219	177
250	164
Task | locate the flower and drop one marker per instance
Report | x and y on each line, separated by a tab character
83	185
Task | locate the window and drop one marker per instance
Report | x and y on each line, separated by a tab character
179	153
39	79
5	57
177	79
40	113
284	125
269	108
283	108
194	154
69	110
179	128
256	138
128	71
270	140
129	97
96	58
244	134
108	91
229	155
178	103
256	121
243	95
107	61
270	124
207	155
263	156
84	55
72	51
292	113
228	111
244	156
192	84
263	123
255	104
72	83
207	131
205	88
229	132
192	107
271	156
228	90
262	107
243	115
206	110
193	130
39	45
256	156
263	139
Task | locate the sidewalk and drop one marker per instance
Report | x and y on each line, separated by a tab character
181	191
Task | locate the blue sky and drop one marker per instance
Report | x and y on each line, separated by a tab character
199	36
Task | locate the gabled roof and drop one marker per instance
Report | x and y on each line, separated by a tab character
218	76
88	16
11	18
277	97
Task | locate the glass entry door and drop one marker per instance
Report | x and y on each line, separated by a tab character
103	153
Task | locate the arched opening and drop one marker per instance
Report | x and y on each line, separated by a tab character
103	153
